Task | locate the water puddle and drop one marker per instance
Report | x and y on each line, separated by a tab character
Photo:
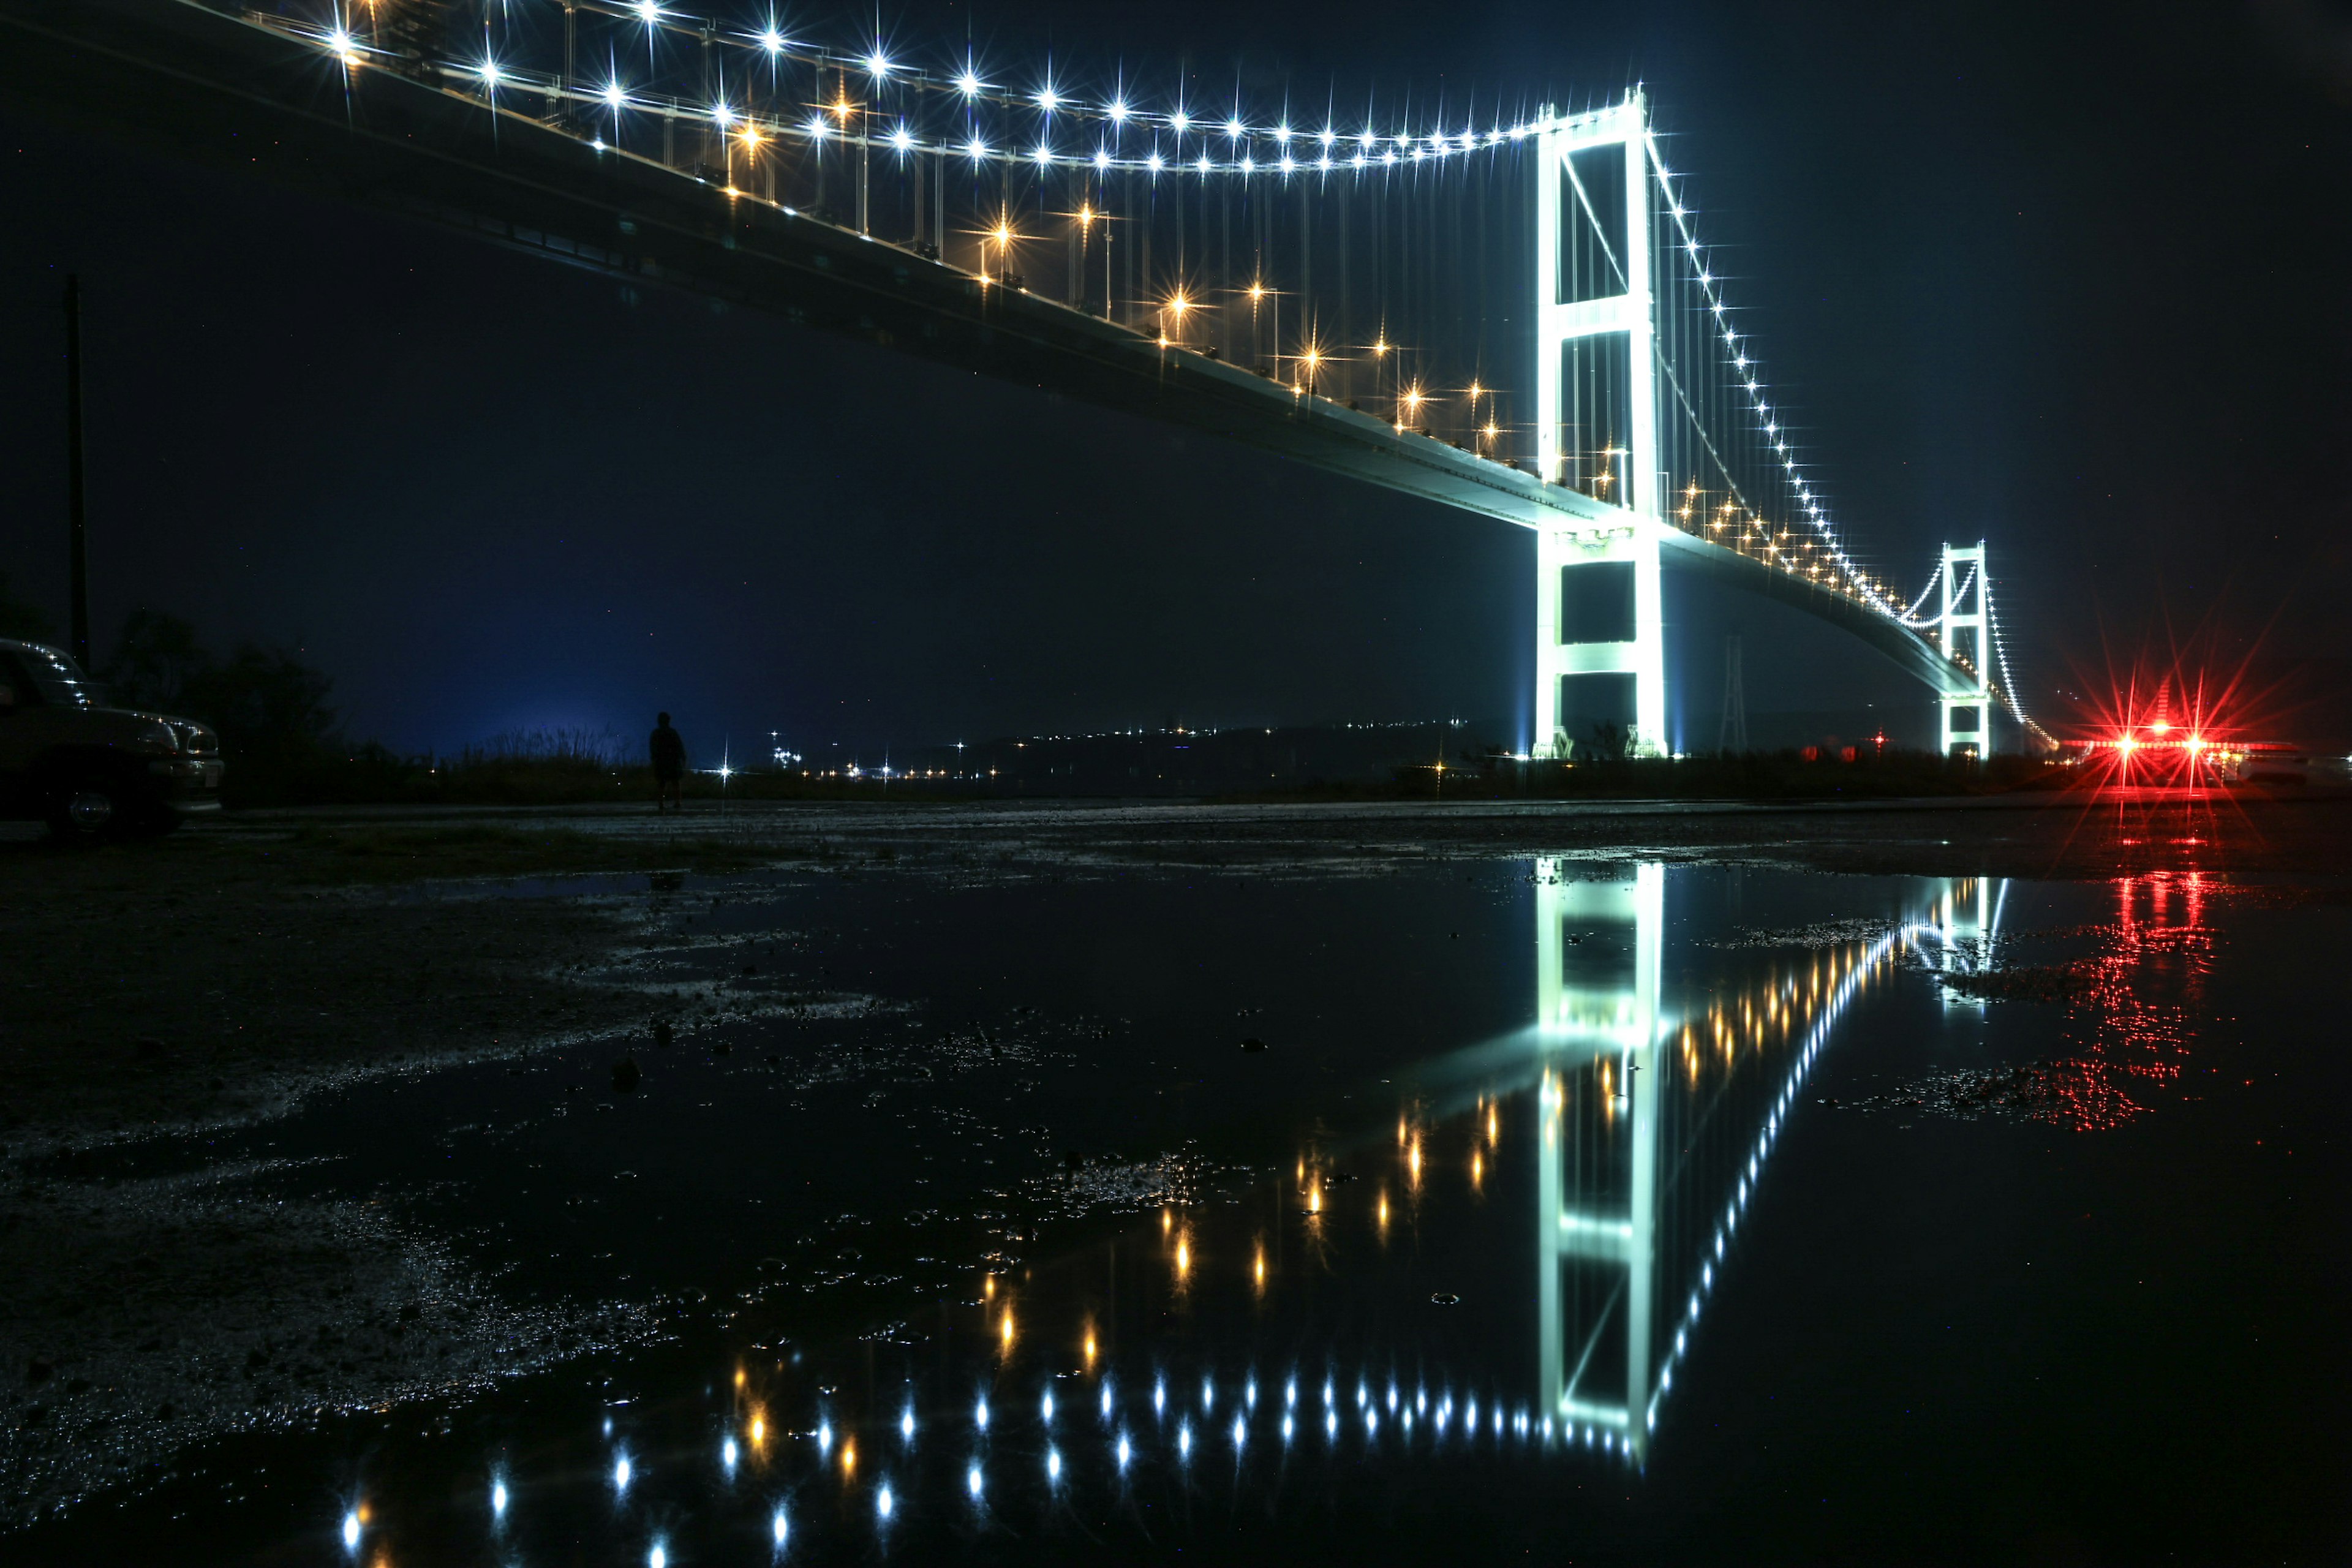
1138	1215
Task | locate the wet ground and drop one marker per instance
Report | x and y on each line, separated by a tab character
1367	1195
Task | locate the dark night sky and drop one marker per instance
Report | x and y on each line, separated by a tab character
2071	278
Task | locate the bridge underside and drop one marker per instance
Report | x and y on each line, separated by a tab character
199	84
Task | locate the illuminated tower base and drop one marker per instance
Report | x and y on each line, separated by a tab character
1601	656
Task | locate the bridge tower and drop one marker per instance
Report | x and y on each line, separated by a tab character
1960	632
1599	617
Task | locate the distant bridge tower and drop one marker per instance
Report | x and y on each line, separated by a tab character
1599	617
1961	635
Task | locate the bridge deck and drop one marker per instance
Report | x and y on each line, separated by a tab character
216	88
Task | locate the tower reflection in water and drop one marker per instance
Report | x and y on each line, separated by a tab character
1658	1091
1629	1237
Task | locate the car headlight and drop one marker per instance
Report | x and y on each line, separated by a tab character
158	738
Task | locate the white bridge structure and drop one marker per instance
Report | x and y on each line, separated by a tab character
1502	307
1657	1113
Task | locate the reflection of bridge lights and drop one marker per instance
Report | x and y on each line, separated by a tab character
352	1532
824	1438
1125	1452
882	1502
622	1472
498	1500
780	1528
849	1458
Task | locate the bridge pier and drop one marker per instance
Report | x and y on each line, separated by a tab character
1600	654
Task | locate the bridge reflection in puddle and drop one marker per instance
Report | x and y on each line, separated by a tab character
1506	1263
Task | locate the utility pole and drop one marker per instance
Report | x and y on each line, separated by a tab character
1733	735
77	527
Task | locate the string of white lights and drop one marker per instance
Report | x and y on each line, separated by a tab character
1910	615
1748	377
2008	682
1231	146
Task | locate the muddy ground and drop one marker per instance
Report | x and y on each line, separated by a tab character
217	976
212	975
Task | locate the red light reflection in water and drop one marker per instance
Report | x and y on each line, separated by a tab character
2135	1019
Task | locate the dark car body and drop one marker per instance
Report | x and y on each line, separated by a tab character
88	769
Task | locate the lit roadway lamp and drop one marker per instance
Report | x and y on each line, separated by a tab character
1310	360
1413	398
1001	237
1177	305
1609	456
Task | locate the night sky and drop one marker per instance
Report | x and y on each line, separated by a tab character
2068	277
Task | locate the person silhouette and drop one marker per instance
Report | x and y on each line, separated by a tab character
668	749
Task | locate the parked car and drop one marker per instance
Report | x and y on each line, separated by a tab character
89	770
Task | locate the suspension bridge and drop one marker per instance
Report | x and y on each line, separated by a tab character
1508	310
